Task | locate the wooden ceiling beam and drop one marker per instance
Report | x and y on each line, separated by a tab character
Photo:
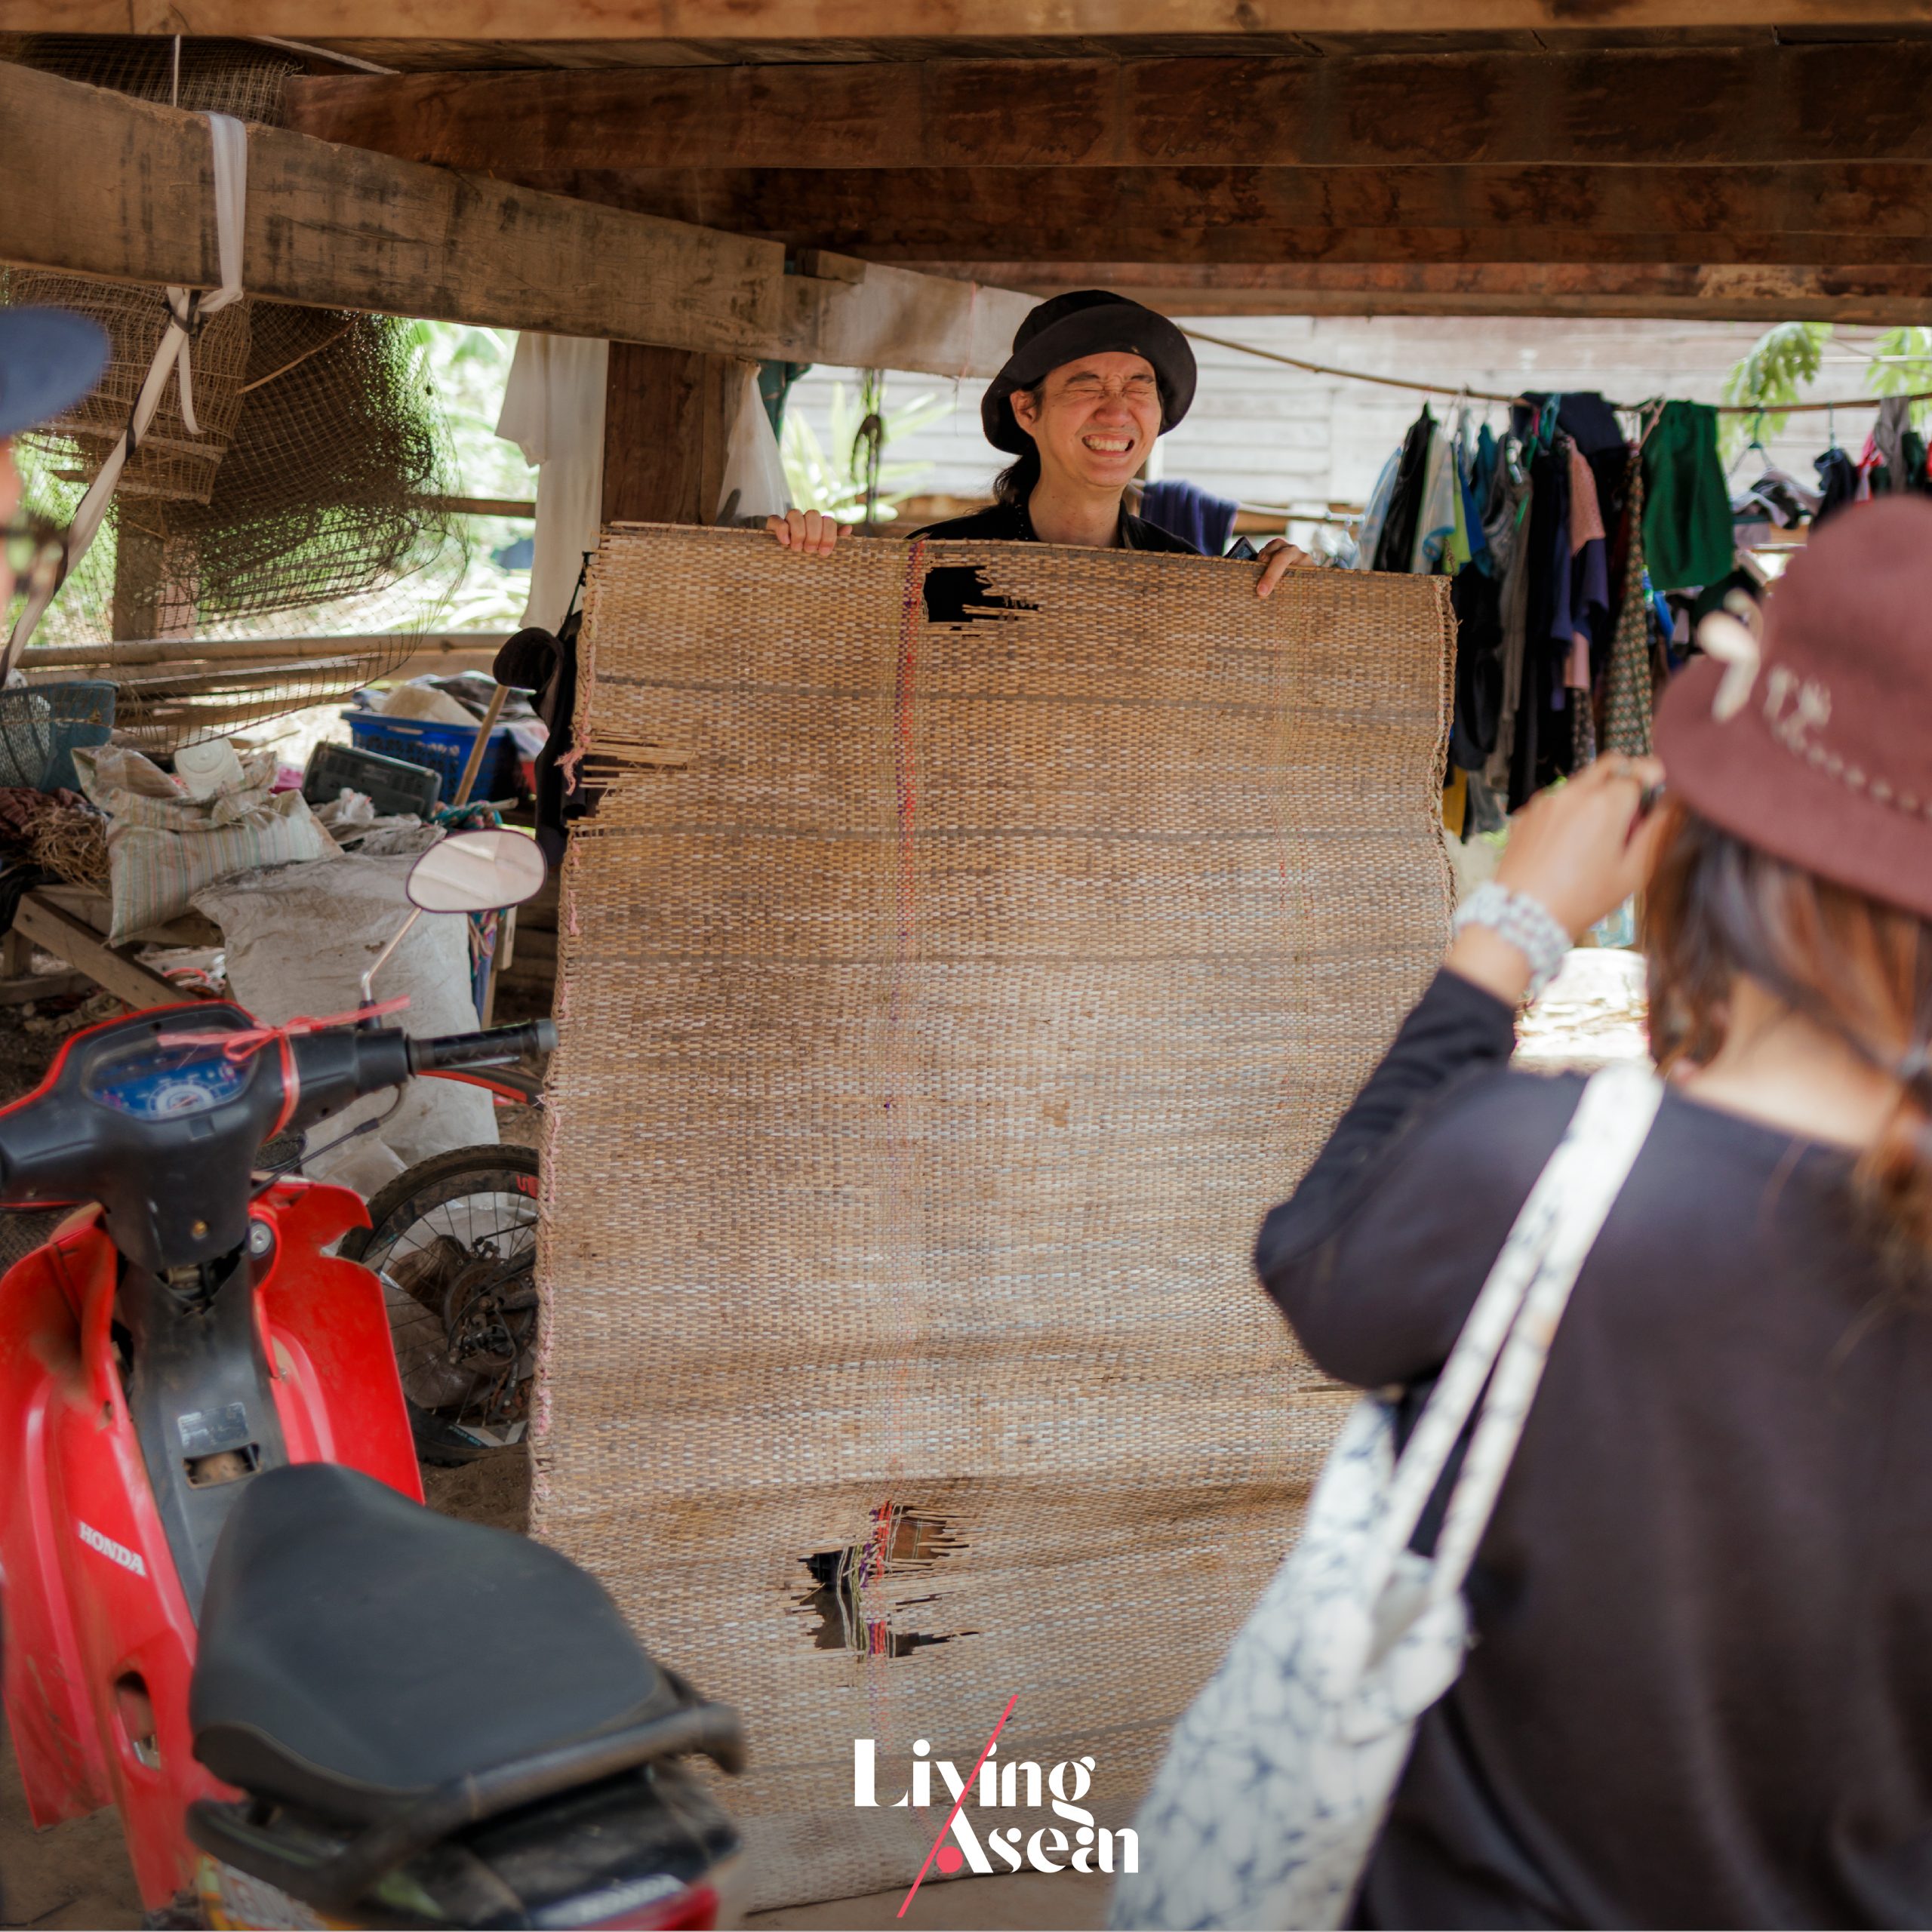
1863	101
1875	212
938	21
1747	292
101	184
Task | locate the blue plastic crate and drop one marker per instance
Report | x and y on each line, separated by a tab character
442	748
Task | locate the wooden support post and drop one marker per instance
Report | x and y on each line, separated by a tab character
666	421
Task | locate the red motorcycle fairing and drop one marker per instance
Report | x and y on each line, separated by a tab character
100	1644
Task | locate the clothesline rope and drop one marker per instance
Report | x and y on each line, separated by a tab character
1461	391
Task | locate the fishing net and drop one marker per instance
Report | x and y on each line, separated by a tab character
967	944
215	76
310	506
171	462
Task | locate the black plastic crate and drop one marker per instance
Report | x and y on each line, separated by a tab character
392	784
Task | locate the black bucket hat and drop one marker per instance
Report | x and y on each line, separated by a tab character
1086	321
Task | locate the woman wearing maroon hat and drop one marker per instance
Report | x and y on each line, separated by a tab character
1092	380
1701	1692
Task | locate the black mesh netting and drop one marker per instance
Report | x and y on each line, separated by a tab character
238	77
309	505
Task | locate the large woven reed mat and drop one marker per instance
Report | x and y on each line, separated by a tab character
970	943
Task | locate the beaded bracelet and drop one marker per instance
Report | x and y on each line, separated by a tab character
1526	923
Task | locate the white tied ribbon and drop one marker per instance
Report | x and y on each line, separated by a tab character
186	309
1734	637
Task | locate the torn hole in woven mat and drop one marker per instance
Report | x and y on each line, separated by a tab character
959	593
845	1593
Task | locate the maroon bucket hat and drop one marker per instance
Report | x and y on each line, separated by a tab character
1810	735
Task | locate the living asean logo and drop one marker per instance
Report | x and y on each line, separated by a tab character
1017	1785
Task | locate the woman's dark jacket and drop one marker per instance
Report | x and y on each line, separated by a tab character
1701	1691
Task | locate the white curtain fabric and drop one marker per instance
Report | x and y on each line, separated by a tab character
755	486
553	411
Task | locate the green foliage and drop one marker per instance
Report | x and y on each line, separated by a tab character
1903	367
817	482
1783	360
466	370
1779	364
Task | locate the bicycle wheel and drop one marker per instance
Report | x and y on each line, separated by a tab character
454	1241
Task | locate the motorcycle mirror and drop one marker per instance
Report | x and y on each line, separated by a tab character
476	872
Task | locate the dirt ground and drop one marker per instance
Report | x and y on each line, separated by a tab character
1023	1902
75	1874
78	1874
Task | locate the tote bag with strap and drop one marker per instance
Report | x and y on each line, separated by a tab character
1279	1775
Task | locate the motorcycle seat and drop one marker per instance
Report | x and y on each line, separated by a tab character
358	1651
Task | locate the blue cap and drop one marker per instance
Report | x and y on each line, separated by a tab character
49	360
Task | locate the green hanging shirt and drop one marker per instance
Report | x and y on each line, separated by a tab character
1687	503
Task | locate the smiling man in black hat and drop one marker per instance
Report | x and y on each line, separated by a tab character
1092	379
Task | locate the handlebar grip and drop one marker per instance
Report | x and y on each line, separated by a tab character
491	1048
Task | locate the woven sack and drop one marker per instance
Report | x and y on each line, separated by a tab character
164	846
966	943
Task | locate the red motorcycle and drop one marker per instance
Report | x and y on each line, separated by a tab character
226	1612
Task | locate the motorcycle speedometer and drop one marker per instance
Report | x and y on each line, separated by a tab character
162	1078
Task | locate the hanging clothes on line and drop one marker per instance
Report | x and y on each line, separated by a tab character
1477	600
1838	484
1584	553
1395	547
1686	505
1506	517
1540	727
1629	689
1435	521
1589	605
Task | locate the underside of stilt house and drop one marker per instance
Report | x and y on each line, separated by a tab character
886	185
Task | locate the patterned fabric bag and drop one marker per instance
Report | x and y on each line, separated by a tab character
164	845
1278	1777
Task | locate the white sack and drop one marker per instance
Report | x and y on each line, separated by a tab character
164	846
425	702
299	940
